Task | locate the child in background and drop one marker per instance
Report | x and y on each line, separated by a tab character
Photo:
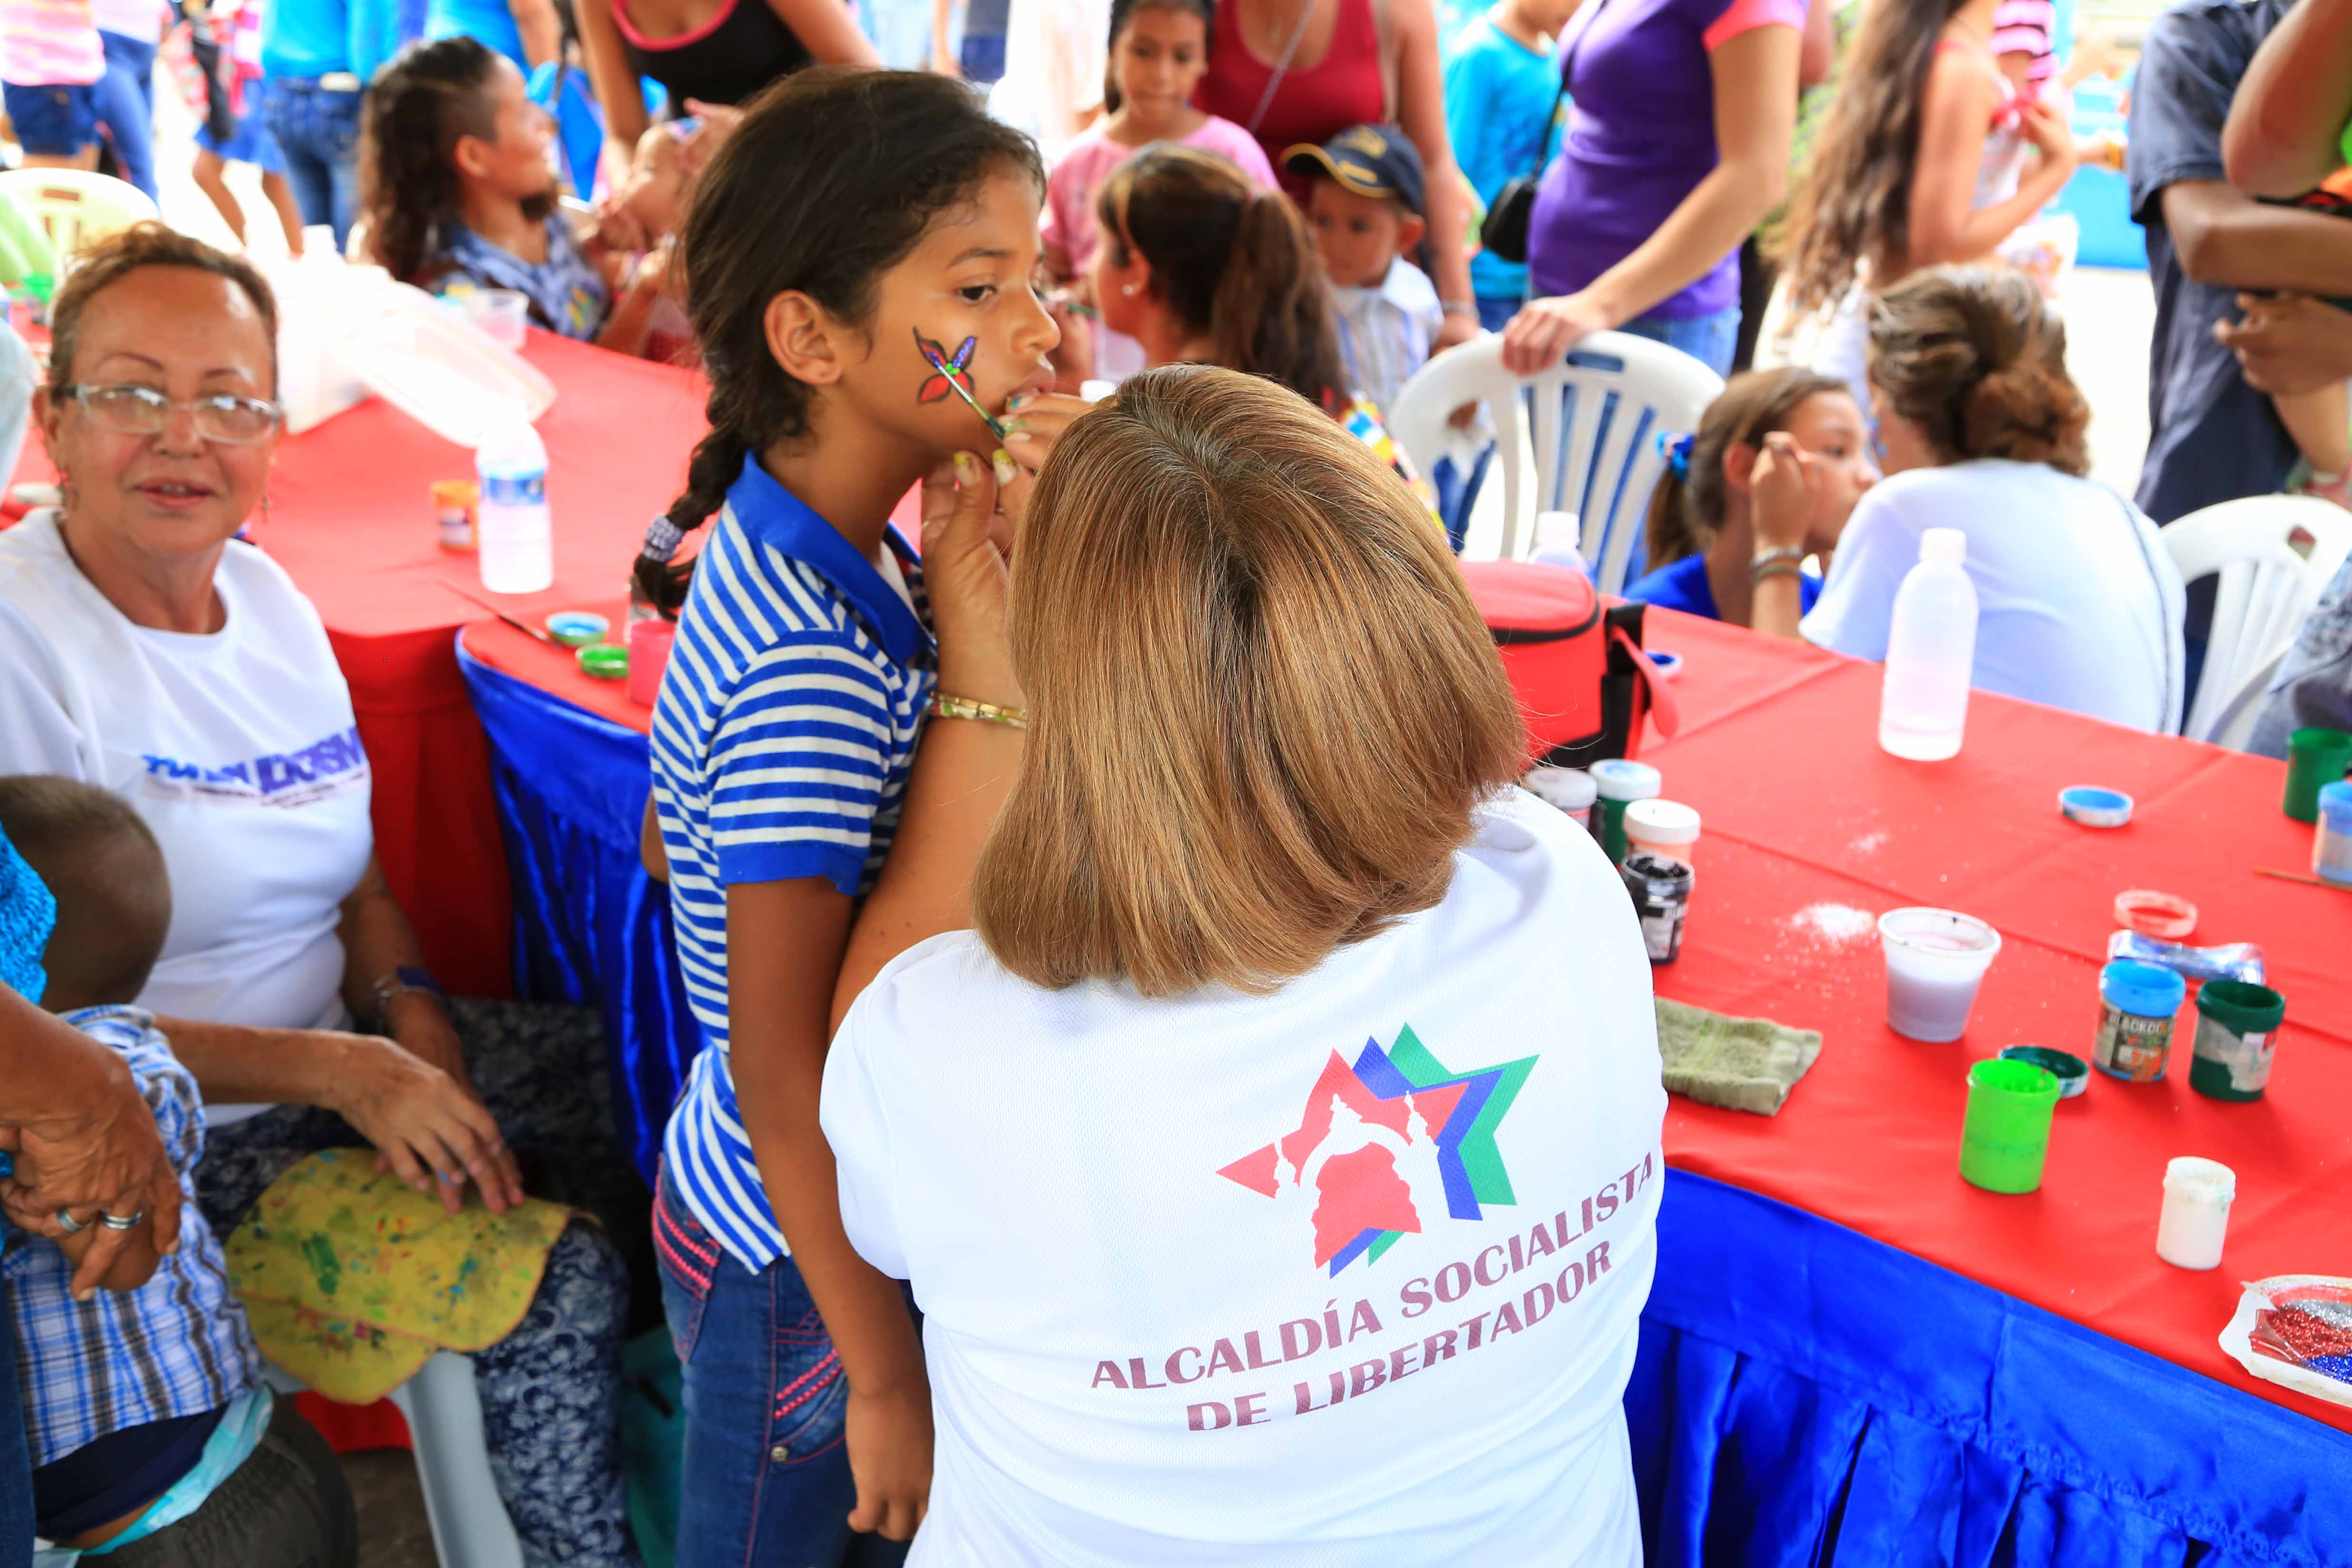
1923	162
251	143
1769	478
1159	49
861	245
1502	84
150	1408
1364	209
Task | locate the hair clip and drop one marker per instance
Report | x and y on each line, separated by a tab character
663	537
1676	451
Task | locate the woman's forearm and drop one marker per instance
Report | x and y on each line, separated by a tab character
377	939
1981	232
1722	211
2292	105
1449	232
235	1064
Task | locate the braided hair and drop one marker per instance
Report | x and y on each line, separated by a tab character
832	177
431	96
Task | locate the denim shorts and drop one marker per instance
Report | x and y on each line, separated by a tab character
765	1475
1712	340
56	121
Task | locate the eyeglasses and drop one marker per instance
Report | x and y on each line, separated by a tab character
135	410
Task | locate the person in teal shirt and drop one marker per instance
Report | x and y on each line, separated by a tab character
528	32
1502	85
317	56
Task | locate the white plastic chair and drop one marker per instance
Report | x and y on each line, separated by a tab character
470	1528
2273	556
78	207
1591	423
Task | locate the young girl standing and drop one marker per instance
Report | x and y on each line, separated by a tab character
1924	161
1158	50
861	238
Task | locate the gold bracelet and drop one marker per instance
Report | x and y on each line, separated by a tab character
946	706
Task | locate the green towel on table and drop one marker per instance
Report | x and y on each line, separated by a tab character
1740	1064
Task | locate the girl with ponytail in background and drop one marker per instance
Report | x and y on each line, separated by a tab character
860	249
2078	602
1201	266
1159	51
1767	480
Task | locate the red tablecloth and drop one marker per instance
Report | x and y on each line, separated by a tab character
1779	752
350	518
1800	808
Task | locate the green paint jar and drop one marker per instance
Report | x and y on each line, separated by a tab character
2237	1034
1618	783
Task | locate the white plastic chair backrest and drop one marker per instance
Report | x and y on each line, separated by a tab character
78	207
1590	426
2272	555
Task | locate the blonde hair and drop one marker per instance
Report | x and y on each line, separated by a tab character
1262	705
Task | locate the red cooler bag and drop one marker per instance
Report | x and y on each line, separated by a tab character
1584	685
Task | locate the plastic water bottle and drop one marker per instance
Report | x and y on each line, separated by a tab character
1930	649
1558	534
514	539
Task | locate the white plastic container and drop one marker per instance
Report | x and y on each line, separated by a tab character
2196	1218
1571	790
1931	647
516	541
1667	827
1559	541
1935	960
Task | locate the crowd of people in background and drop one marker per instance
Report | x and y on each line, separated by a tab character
1260	219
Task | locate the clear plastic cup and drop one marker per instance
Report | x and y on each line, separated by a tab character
1935	961
500	314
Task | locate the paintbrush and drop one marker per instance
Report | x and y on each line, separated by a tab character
523	626
956	385
2299	877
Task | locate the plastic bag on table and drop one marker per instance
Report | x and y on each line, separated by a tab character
2231	961
2296	1330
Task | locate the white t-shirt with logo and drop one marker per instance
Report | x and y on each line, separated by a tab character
1347	1274
237	747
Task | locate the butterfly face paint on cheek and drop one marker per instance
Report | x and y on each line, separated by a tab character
954	376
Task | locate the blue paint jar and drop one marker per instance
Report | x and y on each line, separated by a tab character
2136	1004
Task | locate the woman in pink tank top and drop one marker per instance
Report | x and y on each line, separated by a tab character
1304	70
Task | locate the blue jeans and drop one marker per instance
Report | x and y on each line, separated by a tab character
766	1474
318	128
53	121
1494	313
126	106
1710	340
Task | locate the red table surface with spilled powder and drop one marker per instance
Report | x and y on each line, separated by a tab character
1779	752
351	521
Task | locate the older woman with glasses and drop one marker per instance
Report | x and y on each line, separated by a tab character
145	649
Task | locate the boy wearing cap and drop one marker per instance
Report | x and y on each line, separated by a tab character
1365	211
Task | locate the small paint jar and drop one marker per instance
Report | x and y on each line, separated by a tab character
602	662
1662	827
2196	1217
1661	889
577	628
1617	784
2136	1002
2331	842
2164	915
2072	1073
2237	1032
1571	790
453	511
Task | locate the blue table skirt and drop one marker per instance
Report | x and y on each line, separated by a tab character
1804	1396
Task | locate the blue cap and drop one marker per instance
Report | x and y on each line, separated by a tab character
2147	990
2335	800
1369	160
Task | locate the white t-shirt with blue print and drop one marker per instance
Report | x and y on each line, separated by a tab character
781	744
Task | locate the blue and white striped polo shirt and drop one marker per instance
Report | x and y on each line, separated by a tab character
781	747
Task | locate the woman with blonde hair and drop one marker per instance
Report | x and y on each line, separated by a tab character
1311	1066
2078	603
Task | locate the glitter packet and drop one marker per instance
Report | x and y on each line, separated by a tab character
2231	961
2297	1330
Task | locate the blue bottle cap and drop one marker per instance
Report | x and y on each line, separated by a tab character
2335	801
2095	808
2147	990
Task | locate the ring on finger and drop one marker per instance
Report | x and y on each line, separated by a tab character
71	1226
117	1222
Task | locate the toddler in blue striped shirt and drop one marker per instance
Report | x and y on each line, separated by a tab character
861	258
153	1438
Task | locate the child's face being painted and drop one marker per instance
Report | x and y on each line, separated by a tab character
1829	427
1358	236
1162	55
970	277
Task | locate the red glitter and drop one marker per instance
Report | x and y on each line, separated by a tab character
2292	1334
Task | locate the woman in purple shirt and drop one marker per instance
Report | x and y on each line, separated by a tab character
1677	146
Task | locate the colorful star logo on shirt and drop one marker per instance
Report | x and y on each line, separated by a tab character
1383	1146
